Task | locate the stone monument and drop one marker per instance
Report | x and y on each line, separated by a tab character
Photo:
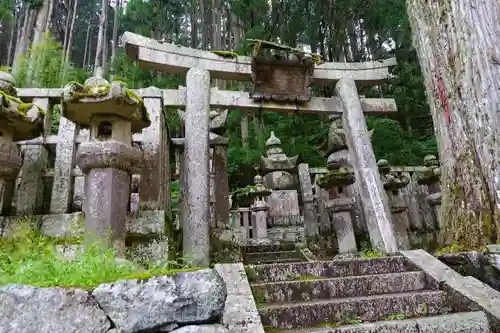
108	160
431	178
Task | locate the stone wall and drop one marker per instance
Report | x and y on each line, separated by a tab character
188	302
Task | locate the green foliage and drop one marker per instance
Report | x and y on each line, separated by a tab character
45	71
26	257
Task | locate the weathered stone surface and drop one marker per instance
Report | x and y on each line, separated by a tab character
108	154
367	308
374	200
186	298
202	329
326	288
464	293
240	312
468	322
27	309
337	268
196	219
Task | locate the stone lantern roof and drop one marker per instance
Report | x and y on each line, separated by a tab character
276	159
99	97
24	119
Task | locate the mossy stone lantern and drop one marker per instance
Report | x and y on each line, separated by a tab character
18	121
113	113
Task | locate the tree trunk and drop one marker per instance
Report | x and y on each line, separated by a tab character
12	40
24	37
86	53
69	46
99	52
116	24
457	44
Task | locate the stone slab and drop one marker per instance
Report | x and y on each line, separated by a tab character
240	313
465	293
311	289
466	322
337	268
367	308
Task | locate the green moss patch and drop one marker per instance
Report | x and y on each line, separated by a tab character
26	257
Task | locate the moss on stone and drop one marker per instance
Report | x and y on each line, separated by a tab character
225	54
252	275
336	178
223	251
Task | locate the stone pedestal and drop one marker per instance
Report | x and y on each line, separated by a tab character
108	167
10	164
340	210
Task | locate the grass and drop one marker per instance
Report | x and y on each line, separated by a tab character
26	257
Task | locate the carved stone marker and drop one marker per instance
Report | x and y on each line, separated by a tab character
108	160
196	223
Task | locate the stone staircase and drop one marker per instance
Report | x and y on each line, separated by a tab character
355	295
265	254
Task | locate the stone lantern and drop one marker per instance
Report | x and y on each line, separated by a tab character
431	178
393	183
259	210
18	121
113	113
341	204
277	166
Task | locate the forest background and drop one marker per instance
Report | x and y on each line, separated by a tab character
47	43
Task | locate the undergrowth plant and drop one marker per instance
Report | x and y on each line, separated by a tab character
27	257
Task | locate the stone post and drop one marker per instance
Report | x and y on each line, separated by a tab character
196	223
393	183
259	210
374	201
431	178
18	125
108	160
154	187
30	189
306	190
221	187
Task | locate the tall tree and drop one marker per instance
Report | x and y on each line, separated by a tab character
457	44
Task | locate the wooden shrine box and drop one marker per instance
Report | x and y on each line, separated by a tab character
281	80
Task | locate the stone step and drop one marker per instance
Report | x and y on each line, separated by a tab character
268	248
273	261
311	288
275	255
335	268
365	308
463	322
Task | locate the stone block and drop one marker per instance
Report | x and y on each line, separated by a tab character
240	312
331	269
367	308
313	289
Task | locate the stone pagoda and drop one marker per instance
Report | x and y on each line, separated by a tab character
18	121
277	167
113	113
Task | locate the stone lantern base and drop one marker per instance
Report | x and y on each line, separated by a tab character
108	167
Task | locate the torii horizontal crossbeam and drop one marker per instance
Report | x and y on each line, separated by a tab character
239	100
173	59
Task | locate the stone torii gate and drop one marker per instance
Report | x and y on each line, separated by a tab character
198	98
